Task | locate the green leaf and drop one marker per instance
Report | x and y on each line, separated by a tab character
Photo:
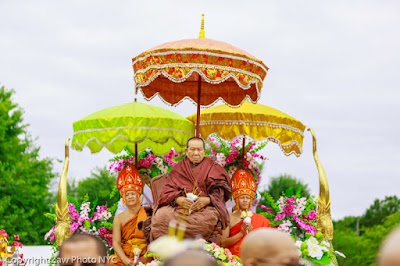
325	260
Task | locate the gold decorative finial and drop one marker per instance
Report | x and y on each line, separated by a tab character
324	219
63	218
202	33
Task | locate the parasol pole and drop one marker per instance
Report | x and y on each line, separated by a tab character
136	156
201	36
243	145
198	107
136	148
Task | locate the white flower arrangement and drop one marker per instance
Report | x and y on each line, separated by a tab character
191	196
246	216
315	249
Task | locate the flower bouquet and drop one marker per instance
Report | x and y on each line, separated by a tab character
158	165
297	216
315	249
221	255
229	154
246	217
168	246
86	217
9	250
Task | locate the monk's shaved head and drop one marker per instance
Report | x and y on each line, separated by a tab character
191	258
268	246
389	253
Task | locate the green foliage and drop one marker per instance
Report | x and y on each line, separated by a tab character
282	185
25	177
367	244
379	210
362	250
349	222
98	186
269	201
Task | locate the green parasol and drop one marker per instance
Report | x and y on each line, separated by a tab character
132	124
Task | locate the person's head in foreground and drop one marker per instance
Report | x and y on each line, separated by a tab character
389	253
191	258
195	149
269	247
83	249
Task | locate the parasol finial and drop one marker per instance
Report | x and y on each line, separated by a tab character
202	33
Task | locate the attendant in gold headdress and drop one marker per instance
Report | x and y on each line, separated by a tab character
242	220
128	239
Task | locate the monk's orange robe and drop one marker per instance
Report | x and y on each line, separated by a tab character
131	237
257	221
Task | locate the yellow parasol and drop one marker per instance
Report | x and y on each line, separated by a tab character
203	70
260	122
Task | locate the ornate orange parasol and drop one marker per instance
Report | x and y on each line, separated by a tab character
203	70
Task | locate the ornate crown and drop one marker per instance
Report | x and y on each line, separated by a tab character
129	179
243	184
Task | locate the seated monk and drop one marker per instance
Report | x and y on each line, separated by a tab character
244	190
201	213
126	234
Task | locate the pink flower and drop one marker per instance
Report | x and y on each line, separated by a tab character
306	226
4	233
228	253
252	145
74	226
50	234
310	229
16	237
265	208
288	209
214	245
312	215
291	200
73	212
279	216
300	222
17	244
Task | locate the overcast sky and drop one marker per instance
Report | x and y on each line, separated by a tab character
333	65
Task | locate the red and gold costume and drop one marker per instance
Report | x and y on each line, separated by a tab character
131	237
243	184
